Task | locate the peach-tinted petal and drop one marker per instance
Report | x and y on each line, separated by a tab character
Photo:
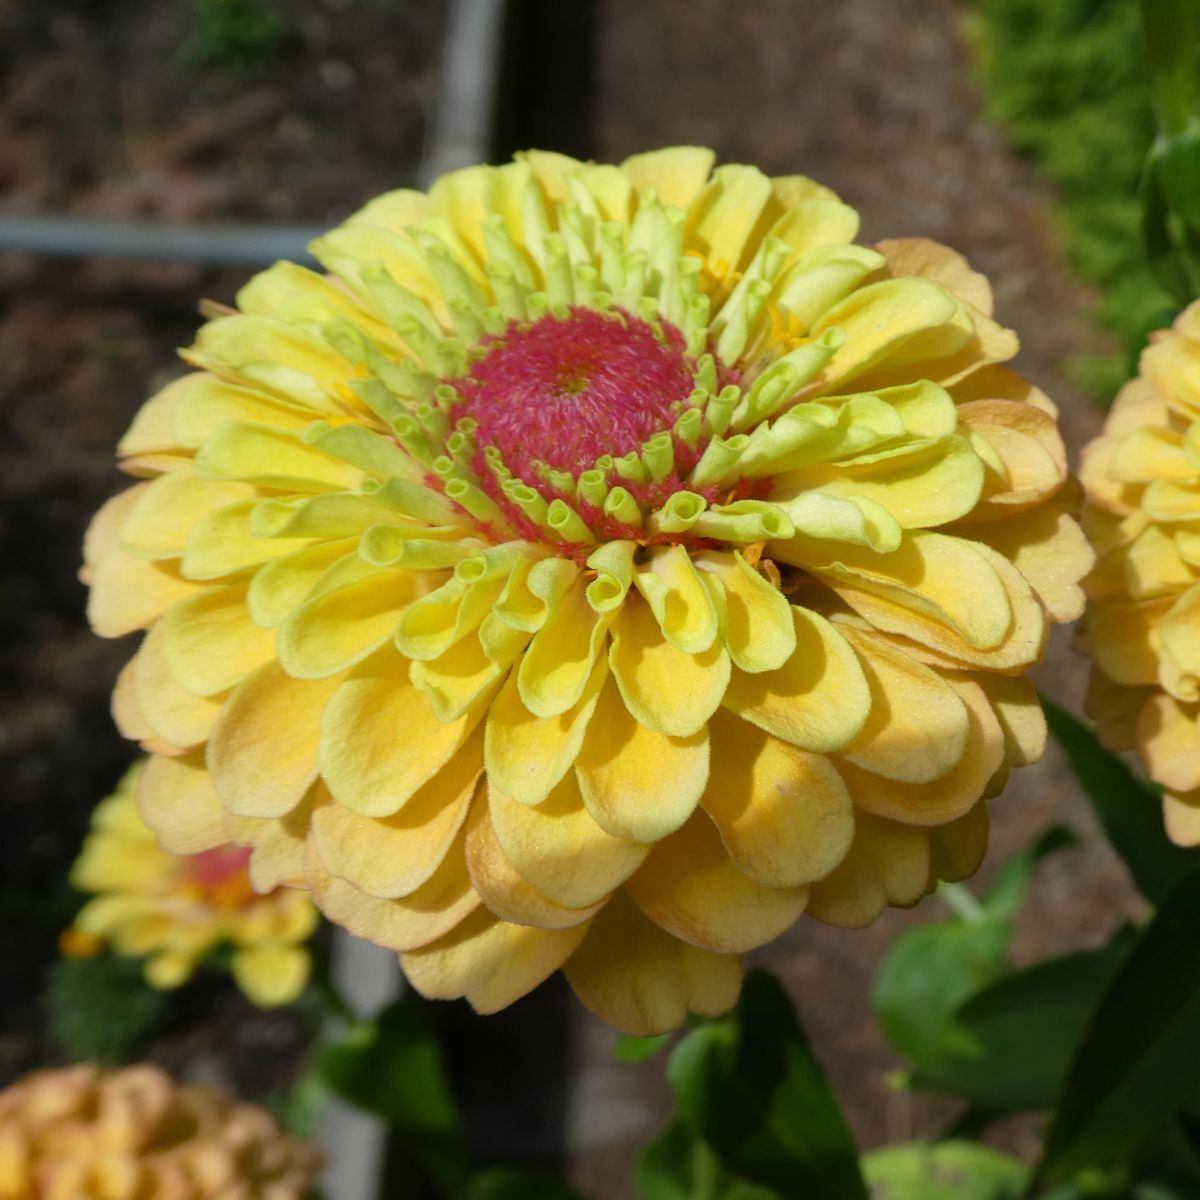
637	783
784	814
642	980
691	888
176	799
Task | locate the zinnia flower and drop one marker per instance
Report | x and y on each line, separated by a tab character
1142	479
174	908
131	1134
599	568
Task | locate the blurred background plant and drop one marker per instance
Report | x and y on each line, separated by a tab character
1067	83
235	34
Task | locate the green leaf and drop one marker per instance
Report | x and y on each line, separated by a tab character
630	1049
678	1165
1129	810
1007	1047
392	1067
1181	174
928	972
749	1086
1135	1065
944	1171
102	1009
1166	262
517	1183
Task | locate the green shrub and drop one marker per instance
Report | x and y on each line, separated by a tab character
1068	83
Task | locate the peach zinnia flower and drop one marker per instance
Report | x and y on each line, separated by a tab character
132	1133
173	909
1142	478
599	568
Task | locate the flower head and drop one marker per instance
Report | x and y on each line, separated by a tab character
599	568
174	908
131	1133
1142	479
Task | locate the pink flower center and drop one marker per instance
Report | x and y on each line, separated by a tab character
219	876
562	392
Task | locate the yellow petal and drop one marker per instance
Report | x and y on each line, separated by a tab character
405	923
887	864
1051	552
528	755
679	599
271	976
169	710
636	783
760	634
931	260
130	593
380	740
953	793
505	892
1015	702
277	845
160	520
690	888
734	206
489	961
1124	638
559	849
176	799
271	457
339	628
263	749
220	543
210	642
280	587
1169	742
1181	816
666	689
917	727
556	667
784	814
393	856
645	982
819	699
676	173
957	848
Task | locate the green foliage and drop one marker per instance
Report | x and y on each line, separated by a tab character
631	1049
1135	1067
1068	82
949	1001
1128	808
515	1183
236	34
680	1165
944	1171
750	1091
102	1009
392	1066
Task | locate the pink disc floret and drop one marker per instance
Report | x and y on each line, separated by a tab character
561	392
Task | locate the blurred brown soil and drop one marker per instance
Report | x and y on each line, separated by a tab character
102	112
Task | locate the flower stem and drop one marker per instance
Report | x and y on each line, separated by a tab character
1171	48
961	902
706	1172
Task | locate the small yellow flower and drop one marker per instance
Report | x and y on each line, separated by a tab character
599	568
1142	479
173	909
131	1134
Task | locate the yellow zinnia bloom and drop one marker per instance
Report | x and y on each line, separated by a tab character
131	1134
1142	479
598	568
173	908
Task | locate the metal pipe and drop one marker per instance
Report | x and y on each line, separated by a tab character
219	244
